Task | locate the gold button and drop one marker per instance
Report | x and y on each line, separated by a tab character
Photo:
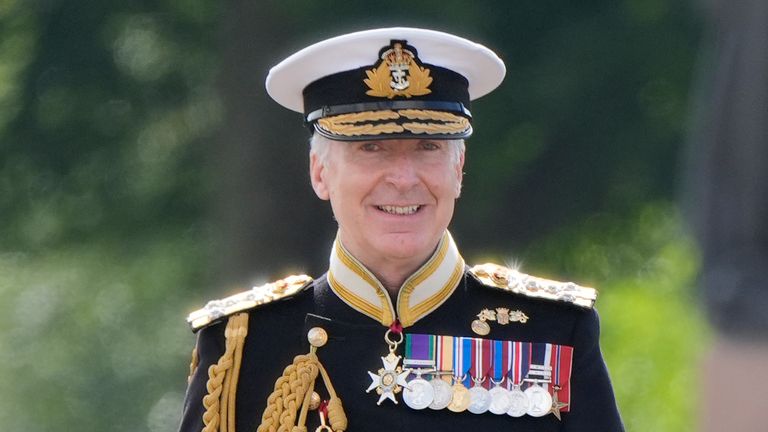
317	337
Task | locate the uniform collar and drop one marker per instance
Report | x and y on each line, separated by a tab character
423	292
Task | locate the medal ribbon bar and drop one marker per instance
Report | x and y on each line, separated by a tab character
445	357
539	368
420	351
462	359
546	365
521	361
501	362
481	359
562	361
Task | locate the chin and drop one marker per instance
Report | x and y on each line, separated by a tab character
407	246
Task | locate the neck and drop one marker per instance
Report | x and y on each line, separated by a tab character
393	276
391	272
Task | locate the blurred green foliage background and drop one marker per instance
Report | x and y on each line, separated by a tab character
143	170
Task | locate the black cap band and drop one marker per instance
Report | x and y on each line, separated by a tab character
348	88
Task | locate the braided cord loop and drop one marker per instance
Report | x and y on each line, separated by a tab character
219	403
292	392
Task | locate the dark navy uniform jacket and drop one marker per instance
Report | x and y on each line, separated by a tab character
277	332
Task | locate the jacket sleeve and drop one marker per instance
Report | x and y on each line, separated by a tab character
210	347
593	404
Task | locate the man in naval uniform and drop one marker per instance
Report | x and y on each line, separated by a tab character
399	334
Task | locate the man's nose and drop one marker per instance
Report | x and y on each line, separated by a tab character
403	172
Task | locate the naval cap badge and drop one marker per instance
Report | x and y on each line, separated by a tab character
398	73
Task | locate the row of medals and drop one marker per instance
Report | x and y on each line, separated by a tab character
438	394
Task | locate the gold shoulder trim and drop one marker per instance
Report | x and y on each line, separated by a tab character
521	283
256	296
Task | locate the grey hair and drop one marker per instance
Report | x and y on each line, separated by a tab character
319	145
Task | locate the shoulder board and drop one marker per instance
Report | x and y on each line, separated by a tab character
521	283
214	310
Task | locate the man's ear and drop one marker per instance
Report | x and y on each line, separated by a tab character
317	176
459	174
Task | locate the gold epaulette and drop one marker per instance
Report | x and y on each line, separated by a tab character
256	296
521	283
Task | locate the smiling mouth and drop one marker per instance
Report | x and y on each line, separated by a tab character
399	210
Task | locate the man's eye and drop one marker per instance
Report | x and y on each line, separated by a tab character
429	145
370	147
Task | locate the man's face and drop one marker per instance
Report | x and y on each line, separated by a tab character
392	198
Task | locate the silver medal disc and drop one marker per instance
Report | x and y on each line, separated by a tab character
479	400
443	394
540	401
518	403
419	394
500	400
